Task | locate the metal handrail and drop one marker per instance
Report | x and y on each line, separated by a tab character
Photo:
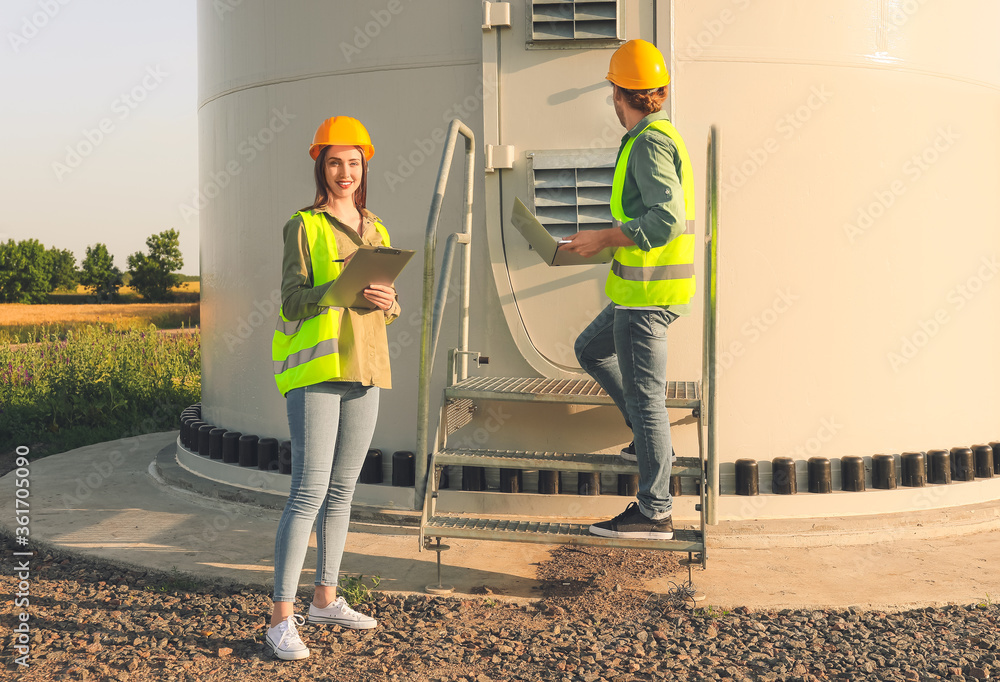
710	506
432	315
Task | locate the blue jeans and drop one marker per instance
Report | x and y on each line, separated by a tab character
331	427
625	351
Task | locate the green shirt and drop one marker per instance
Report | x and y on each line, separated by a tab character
652	192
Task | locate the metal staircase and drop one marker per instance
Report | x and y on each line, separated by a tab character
463	392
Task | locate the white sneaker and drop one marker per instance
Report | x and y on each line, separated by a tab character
284	640
341	614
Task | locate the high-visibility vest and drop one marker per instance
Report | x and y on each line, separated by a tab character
663	275
306	351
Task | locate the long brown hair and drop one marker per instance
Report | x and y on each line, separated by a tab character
323	190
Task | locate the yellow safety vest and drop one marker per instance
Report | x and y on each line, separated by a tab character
664	275
306	351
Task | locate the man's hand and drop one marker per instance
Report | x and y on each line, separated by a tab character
381	295
591	242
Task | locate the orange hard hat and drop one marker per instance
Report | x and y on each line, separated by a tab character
341	130
638	65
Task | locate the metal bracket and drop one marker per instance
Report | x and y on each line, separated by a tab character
499	156
474	355
496	15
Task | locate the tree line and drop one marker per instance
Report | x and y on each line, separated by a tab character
29	271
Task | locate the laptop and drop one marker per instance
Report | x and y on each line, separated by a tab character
547	246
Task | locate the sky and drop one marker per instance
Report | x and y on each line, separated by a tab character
100	134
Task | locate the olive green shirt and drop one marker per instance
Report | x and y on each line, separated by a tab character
652	191
364	347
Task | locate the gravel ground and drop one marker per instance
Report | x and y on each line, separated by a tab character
93	620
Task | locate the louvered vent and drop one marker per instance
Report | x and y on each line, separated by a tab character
575	20
572	189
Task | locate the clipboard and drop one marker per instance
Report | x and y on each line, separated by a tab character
369	265
546	245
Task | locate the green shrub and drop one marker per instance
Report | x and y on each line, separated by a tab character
96	385
354	591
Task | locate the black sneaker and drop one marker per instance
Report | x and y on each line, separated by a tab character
632	523
628	454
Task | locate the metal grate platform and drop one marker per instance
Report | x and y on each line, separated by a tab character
577	391
558	461
549	532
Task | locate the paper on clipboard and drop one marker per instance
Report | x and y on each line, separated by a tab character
369	265
545	245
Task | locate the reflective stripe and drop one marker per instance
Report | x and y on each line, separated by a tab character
289	327
309	347
689	227
652	273
326	347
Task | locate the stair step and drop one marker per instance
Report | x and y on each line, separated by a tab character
555	461
684	394
549	532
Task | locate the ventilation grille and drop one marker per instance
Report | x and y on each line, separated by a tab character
574	20
572	190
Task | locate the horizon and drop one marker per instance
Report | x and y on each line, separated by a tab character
102	122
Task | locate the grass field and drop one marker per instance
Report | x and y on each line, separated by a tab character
26	323
94	385
187	292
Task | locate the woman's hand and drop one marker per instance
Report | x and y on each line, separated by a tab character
381	295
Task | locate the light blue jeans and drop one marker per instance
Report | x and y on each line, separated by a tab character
331	427
625	351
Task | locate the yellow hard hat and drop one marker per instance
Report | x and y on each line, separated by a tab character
341	130
638	65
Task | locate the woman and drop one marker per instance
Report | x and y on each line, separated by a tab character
330	363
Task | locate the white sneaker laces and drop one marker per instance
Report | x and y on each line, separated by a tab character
345	610
290	635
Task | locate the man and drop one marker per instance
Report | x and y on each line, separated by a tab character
650	284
